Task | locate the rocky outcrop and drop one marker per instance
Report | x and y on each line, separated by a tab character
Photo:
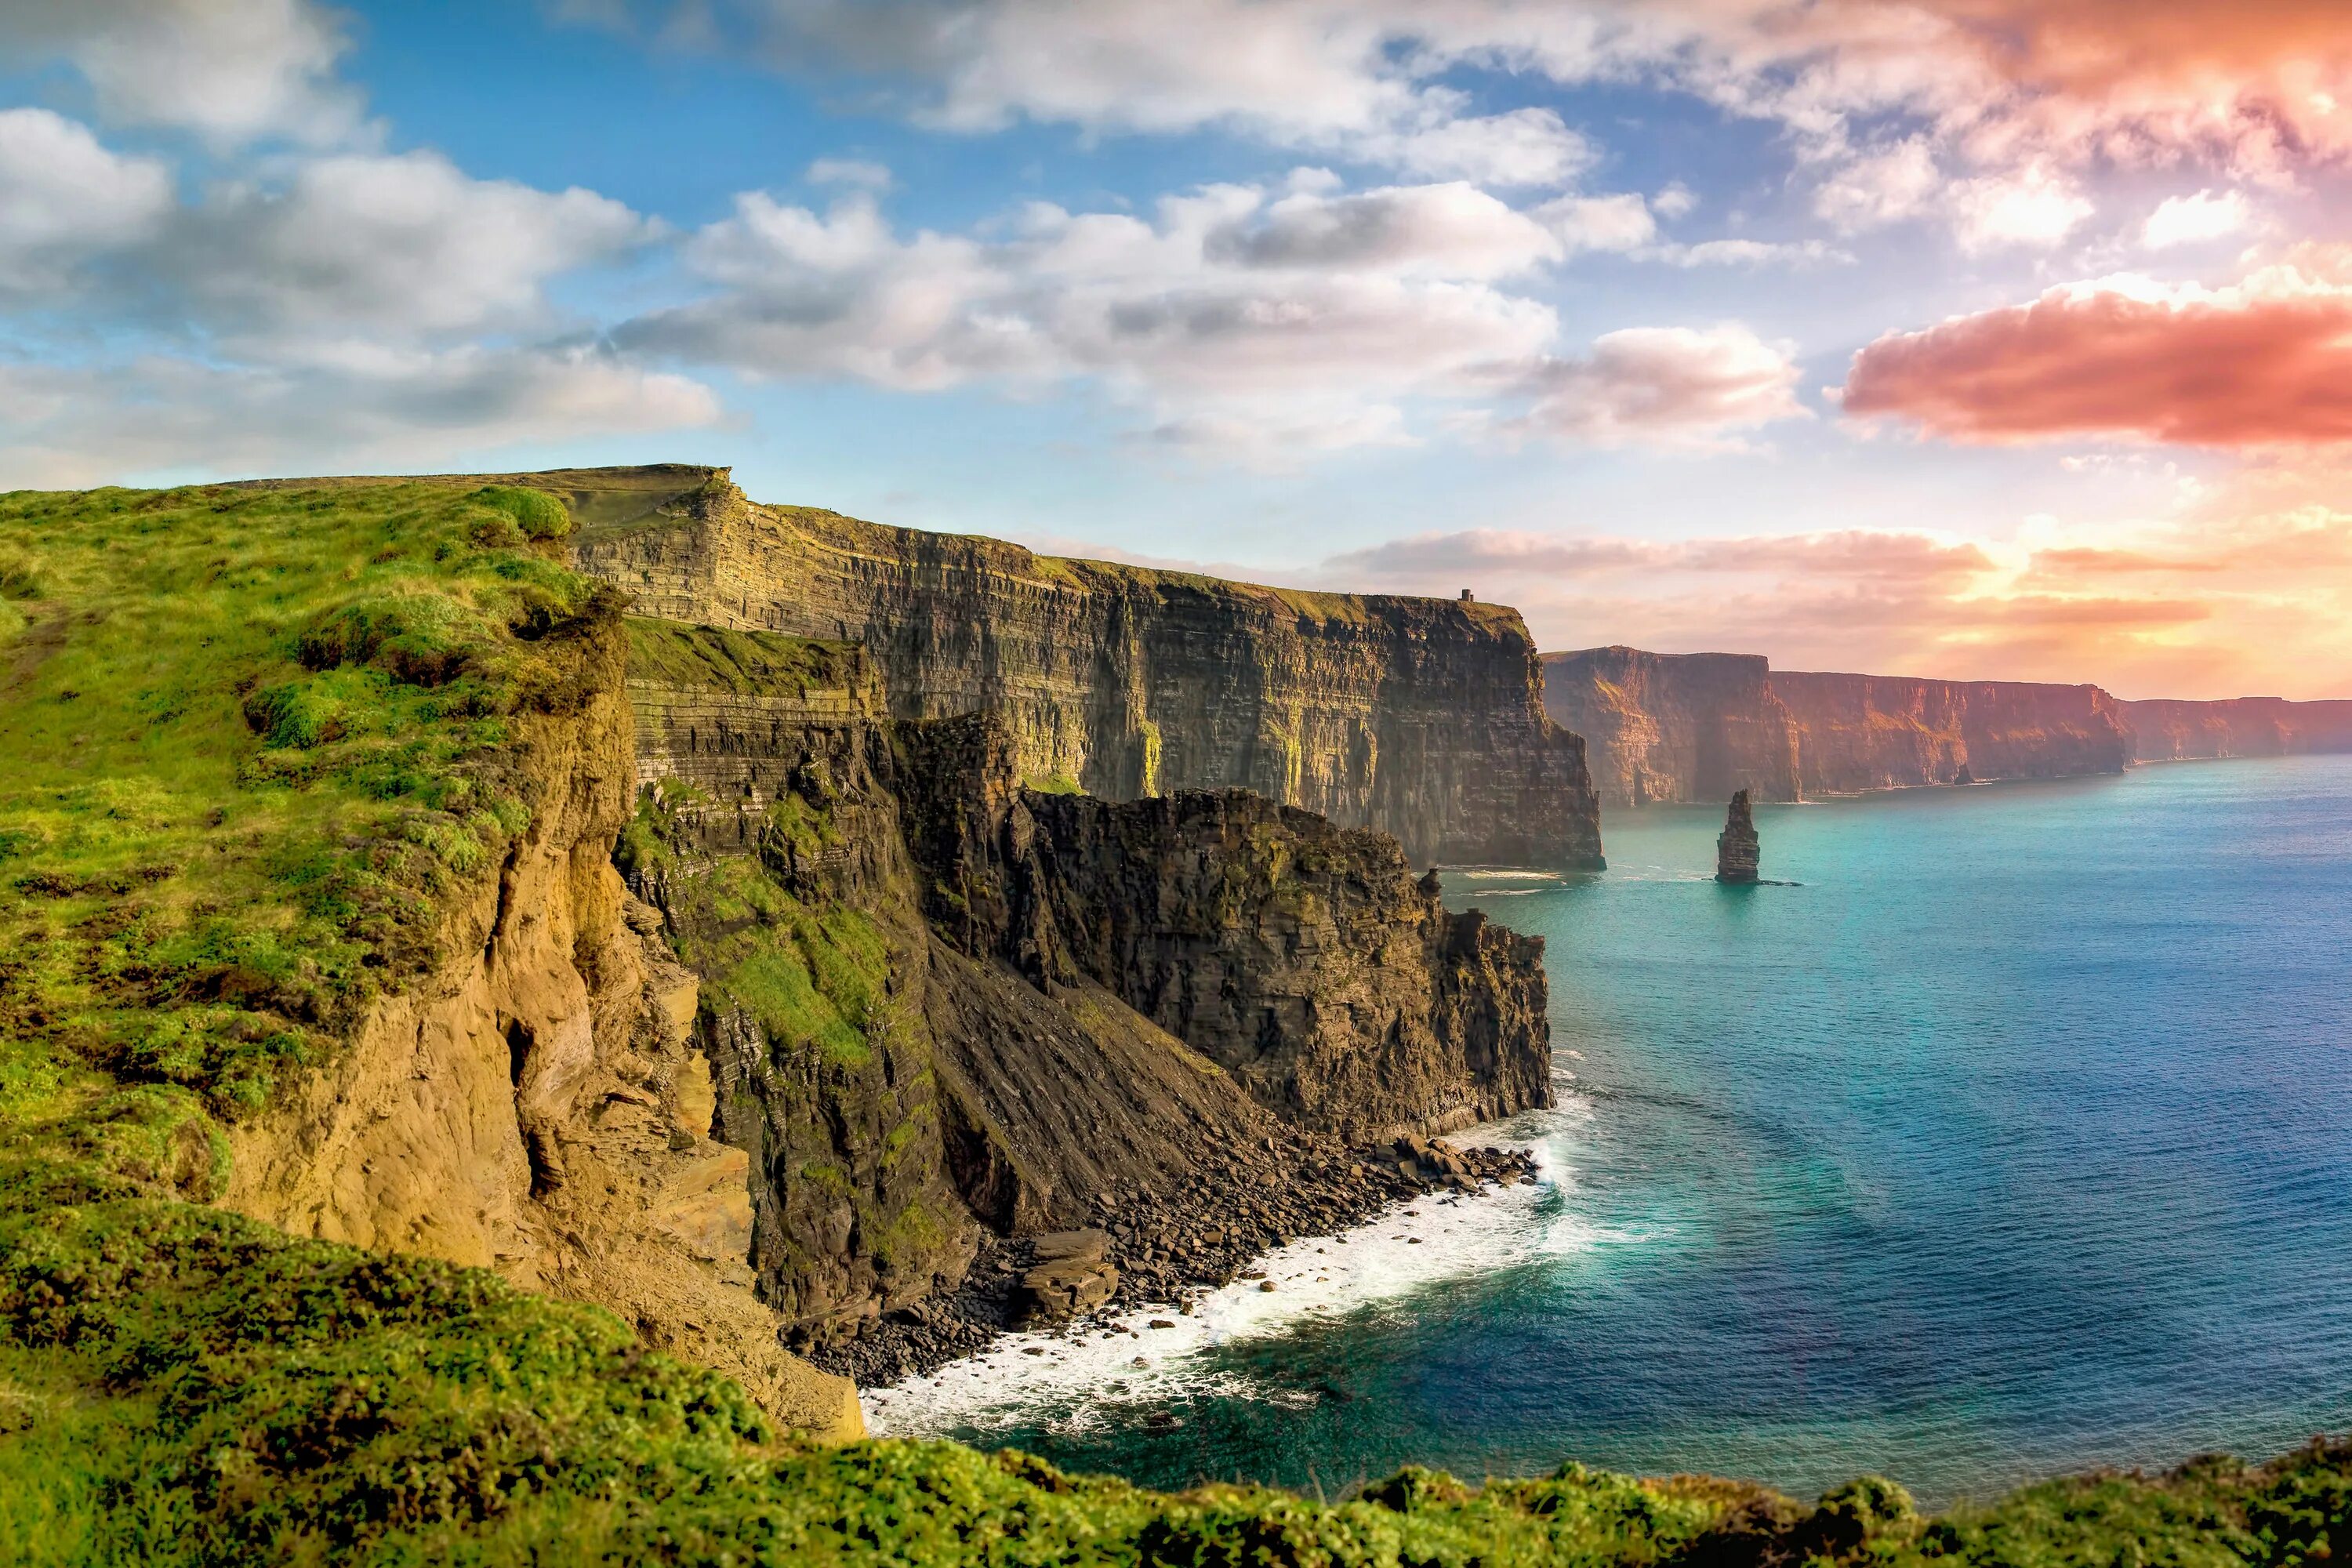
942	1007
1737	851
1673	729
533	1106
1683	727
1420	717
2165	731
1304	958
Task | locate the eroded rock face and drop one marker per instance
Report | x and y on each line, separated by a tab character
534	1105
1736	852
1668	728
1693	727
1883	731
1064	999
1421	717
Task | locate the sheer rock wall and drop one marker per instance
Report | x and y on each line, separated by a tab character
1421	717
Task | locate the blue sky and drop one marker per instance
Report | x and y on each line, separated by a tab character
1562	301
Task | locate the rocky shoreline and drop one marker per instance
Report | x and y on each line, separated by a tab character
1155	1249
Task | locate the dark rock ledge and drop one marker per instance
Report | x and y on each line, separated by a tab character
1147	1248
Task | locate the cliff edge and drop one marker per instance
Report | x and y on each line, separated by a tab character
1420	717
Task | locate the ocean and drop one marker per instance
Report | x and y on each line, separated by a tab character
2013	1139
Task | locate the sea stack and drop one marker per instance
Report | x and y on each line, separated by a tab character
1736	849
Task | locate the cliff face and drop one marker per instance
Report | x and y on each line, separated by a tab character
2166	730
1303	957
1674	727
1698	726
936	1000
1879	732
533	1105
1420	717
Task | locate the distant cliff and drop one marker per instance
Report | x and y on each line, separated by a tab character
1421	717
1674	728
1886	731
2166	731
1677	728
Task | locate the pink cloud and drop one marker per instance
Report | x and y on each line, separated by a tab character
2265	363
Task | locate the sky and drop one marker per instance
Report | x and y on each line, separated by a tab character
1983	339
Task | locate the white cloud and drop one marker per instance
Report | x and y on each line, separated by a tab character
1234	317
401	244
1665	385
1751	253
862	172
2191	220
2036	207
1676	200
1222	297
64	198
1881	187
1452	230
1994	85
1523	147
69	425
230	70
1618	223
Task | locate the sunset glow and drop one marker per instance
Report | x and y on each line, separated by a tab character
1970	338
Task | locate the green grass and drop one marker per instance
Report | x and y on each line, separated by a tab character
810	974
256	739
181	1387
716	658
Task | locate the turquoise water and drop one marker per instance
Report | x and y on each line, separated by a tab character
2017	1139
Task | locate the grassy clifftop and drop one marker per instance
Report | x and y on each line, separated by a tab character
252	741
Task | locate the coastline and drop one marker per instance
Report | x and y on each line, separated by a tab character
1134	1359
1170	1249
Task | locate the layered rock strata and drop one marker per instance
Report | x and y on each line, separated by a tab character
2165	731
533	1106
1668	728
944	1009
1674	729
1420	717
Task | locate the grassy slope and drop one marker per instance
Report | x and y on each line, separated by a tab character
251	738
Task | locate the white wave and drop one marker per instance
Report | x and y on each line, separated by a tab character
1072	1383
1507	876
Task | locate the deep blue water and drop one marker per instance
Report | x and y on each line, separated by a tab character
2016	1140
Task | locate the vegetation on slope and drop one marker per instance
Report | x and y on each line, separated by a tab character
252	738
179	1386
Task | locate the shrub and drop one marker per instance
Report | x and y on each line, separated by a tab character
535	514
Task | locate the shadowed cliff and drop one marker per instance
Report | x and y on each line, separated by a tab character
939	1003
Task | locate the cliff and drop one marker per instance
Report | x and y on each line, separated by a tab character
1881	731
1680	728
1674	728
1419	718
311	911
2166	730
921	978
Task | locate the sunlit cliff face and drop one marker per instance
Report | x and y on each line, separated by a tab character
1959	337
